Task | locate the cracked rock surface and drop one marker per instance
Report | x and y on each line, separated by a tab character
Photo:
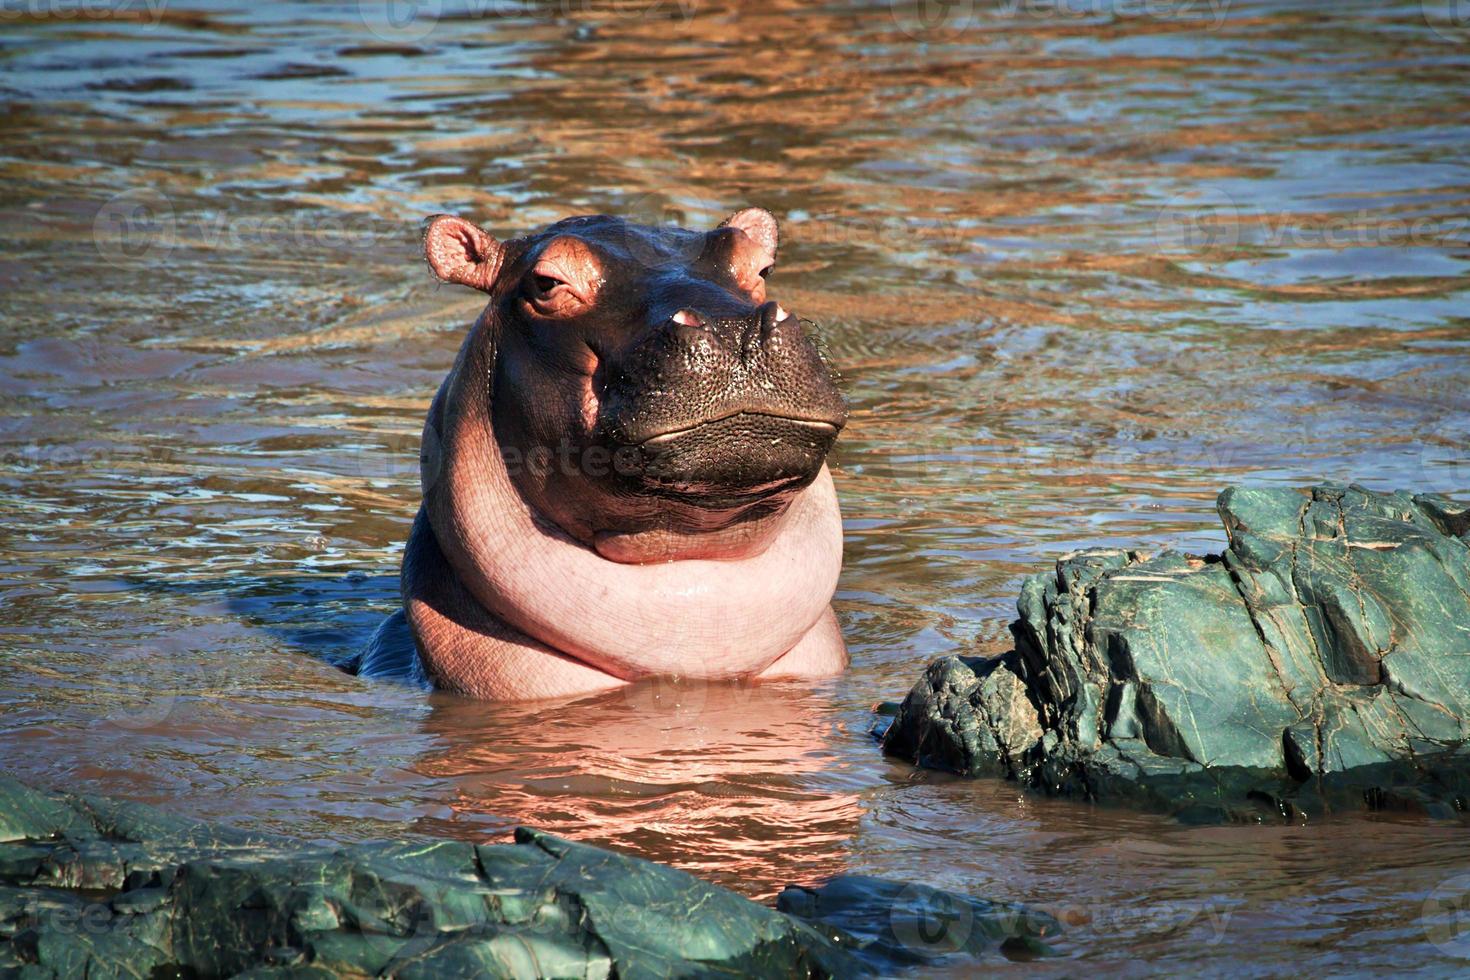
97	888
1322	661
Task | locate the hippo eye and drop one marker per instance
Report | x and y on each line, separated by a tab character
563	281
548	294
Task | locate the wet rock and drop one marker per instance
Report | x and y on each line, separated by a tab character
1323	660
91	887
919	924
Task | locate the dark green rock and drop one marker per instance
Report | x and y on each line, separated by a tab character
1323	660
91	887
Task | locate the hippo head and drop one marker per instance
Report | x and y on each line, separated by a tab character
645	390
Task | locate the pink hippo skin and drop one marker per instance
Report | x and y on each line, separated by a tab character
624	473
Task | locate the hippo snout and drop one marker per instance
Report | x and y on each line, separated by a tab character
702	369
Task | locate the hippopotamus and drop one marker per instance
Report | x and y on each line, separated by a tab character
624	474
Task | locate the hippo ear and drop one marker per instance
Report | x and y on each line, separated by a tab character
461	252
759	224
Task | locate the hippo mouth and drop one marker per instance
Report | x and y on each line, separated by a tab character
737	459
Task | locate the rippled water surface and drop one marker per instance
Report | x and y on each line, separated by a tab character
1081	264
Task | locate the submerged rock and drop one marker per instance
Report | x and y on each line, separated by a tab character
1323	660
91	887
916	923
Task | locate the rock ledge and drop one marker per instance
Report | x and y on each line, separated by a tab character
1321	661
98	888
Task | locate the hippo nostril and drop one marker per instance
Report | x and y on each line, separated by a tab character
773	314
691	329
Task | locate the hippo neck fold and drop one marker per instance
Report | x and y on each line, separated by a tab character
733	617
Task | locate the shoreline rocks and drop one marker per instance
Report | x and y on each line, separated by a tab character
100	888
1321	661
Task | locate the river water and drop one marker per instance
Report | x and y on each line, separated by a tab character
1082	264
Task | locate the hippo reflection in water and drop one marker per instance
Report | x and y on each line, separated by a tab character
624	473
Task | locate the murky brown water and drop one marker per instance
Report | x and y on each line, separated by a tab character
1082	263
